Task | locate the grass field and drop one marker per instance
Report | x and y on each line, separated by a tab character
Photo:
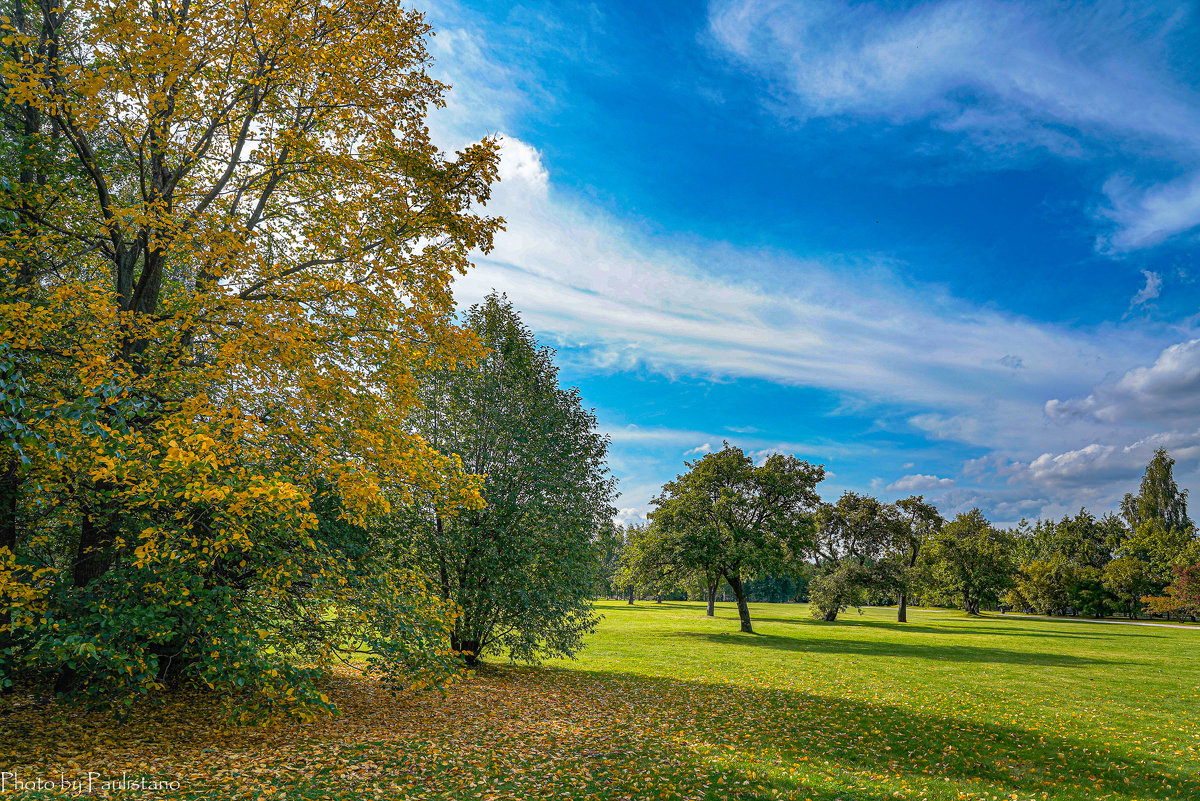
666	703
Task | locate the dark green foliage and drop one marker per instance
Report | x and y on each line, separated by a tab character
971	560
727	516
523	568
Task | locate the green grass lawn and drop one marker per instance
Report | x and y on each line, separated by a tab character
666	703
945	704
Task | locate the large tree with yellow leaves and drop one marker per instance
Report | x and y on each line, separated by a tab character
227	242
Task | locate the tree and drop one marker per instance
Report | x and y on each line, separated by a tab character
610	549
740	517
651	562
919	522
229	243
1041	586
1182	597
971	559
522	569
1160	531
853	536
1127	580
1159	497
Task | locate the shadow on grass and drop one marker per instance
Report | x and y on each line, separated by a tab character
781	729
893	649
1017	630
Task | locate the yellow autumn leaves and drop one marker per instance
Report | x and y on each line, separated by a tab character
228	244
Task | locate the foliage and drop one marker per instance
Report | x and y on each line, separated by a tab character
1127	581
1182	597
610	550
523	568
228	242
836	587
1160	531
732	517
853	536
971	559
651	562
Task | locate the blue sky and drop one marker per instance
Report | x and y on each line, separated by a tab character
943	247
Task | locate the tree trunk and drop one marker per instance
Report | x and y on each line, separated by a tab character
902	613
712	598
735	583
96	532
658	598
830	615
630	591
10	486
470	649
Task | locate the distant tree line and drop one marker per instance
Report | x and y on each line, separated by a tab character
760	532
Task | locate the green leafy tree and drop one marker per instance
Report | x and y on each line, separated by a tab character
1127	579
1041	586
523	568
610	547
1160	531
651	562
854	536
972	560
740	518
918	522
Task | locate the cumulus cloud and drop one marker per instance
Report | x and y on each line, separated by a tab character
1167	390
1096	465
521	163
919	482
1002	76
699	450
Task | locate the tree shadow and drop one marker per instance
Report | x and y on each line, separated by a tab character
777	728
1020	628
892	649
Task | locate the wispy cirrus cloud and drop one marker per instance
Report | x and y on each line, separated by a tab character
1070	80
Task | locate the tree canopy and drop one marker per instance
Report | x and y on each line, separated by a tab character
229	245
736	518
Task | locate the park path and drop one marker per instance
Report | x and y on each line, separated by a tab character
1093	620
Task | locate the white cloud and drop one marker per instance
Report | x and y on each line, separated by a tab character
1167	390
1150	291
1094	466
1005	77
521	163
699	450
1145	216
919	482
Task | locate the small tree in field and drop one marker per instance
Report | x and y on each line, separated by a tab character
918	523
740	517
853	536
